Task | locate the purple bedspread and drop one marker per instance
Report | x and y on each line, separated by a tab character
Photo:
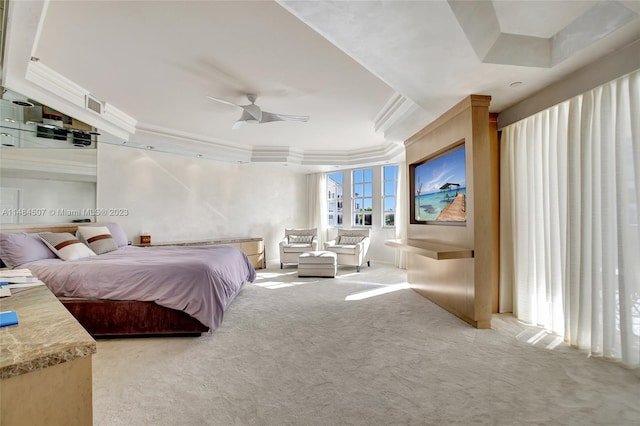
201	281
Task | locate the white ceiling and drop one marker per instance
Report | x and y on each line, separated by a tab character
339	62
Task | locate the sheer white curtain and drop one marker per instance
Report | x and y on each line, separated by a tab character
401	217
317	204
570	208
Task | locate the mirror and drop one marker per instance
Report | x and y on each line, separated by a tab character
47	164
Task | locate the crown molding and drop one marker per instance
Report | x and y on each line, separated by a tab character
184	143
45	77
400	118
385	152
276	154
119	118
168	140
394	111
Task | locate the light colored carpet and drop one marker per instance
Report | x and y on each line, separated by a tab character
321	351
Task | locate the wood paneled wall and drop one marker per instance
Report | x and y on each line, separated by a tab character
465	287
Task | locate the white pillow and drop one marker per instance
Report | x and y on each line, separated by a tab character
350	240
118	234
65	245
304	239
98	238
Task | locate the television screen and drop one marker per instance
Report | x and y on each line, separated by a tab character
439	188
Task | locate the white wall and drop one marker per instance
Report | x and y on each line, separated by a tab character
178	198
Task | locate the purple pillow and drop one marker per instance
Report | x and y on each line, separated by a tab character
117	233
20	248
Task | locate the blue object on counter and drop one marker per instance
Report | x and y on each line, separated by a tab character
8	318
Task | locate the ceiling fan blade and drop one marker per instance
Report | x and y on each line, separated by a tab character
269	116
246	117
222	101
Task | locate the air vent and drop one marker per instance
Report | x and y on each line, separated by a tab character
94	105
23	103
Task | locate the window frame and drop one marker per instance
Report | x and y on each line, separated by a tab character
338	199
384	196
346	207
363	198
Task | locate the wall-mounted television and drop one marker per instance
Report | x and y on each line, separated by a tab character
438	188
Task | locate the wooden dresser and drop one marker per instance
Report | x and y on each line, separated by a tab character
253	247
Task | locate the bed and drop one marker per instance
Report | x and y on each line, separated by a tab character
141	290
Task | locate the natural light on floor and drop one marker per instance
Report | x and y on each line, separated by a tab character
269	275
377	291
536	337
273	280
342	274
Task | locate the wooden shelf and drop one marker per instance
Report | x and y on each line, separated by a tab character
202	242
431	249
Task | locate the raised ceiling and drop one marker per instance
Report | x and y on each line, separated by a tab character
369	73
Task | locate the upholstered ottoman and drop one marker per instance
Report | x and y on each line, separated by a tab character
317	264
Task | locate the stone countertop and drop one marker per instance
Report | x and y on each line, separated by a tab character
46	335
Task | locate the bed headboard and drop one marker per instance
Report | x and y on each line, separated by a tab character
54	227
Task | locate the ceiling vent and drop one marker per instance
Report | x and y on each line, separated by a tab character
94	104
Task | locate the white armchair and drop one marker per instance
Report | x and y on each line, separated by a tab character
351	247
296	242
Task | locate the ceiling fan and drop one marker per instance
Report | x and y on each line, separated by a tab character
252	113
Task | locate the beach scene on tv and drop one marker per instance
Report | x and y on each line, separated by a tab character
440	188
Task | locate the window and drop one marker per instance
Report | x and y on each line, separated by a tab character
362	197
389	188
334	198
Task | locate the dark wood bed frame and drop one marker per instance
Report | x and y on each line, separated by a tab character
120	318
